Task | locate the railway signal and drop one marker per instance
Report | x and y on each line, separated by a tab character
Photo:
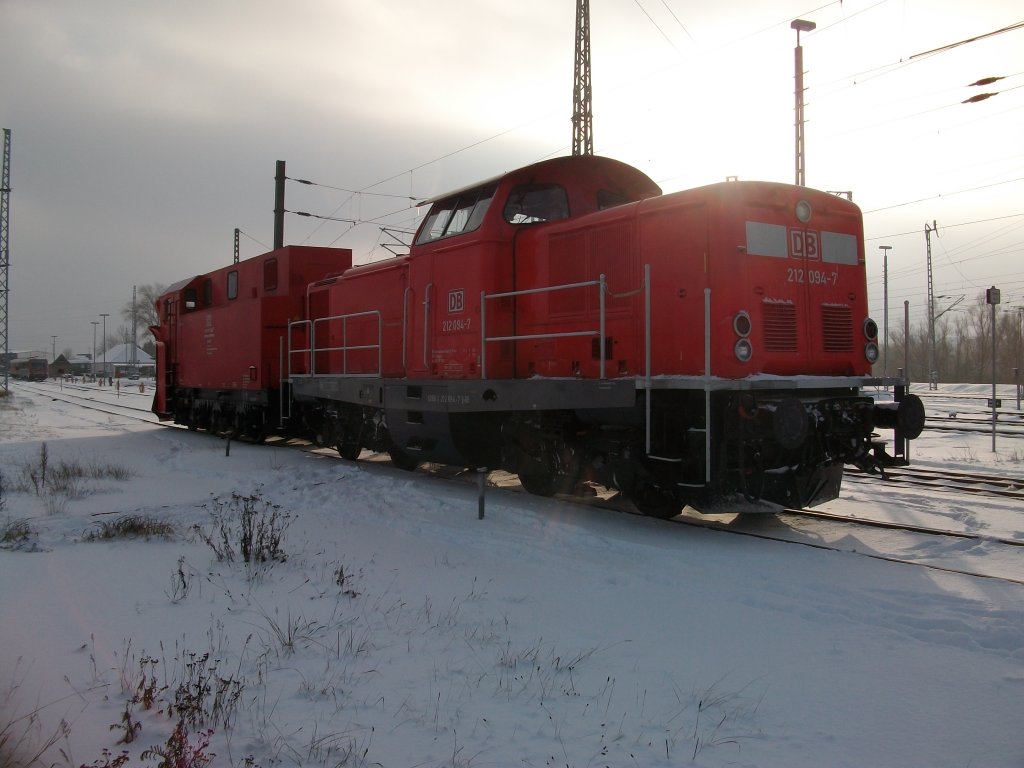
992	298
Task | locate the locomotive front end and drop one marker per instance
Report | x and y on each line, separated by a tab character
795	344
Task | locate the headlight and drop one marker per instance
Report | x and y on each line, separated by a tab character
741	324
744	350
871	352
803	211
870	329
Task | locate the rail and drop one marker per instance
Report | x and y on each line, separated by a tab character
600	332
312	350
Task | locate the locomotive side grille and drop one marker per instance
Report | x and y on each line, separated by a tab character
836	328
780	326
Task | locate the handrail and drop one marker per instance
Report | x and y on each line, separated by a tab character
600	332
405	325
292	325
345	347
426	324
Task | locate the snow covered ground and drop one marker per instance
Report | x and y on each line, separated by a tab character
402	631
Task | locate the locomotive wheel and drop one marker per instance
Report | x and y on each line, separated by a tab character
351	451
403	460
651	501
539	483
546	483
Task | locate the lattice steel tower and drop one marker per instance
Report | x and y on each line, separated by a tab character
933	373
5	254
582	102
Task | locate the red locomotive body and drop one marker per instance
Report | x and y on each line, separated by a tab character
794	288
568	322
219	342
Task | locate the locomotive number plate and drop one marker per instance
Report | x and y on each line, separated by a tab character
811	277
458	324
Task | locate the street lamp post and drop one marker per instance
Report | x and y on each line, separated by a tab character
885	308
104	315
94	324
800	25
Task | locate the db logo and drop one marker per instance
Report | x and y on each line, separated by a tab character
803	244
456	301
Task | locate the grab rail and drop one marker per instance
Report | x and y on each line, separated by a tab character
292	327
600	332
312	350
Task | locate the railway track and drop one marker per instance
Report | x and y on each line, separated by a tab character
974	426
91	403
859	522
780	527
944	480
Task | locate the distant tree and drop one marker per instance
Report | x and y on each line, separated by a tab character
144	310
114	339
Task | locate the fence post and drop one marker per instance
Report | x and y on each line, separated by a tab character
481	486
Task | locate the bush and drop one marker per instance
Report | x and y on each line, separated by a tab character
131	527
15	533
249	527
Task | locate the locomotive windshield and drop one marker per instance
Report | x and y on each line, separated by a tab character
456	215
535	203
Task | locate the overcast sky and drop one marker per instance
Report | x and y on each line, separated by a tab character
145	132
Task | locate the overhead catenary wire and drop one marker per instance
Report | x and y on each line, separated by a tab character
951	46
368	189
365	190
255	240
946	226
944	194
309	183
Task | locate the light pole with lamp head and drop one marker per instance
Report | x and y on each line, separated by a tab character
800	25
104	315
94	324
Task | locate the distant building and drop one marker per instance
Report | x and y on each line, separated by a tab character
81	365
120	361
61	367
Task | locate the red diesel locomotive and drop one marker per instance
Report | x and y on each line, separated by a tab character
566	322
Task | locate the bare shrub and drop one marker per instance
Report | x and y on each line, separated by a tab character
59	482
15	533
131	527
248	527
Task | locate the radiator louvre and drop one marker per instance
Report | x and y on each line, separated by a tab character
836	328
780	327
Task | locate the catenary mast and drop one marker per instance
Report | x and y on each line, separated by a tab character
5	255
582	102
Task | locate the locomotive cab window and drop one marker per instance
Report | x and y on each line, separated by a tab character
534	203
207	292
233	284
456	215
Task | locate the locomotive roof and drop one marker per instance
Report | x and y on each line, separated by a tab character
180	284
563	165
